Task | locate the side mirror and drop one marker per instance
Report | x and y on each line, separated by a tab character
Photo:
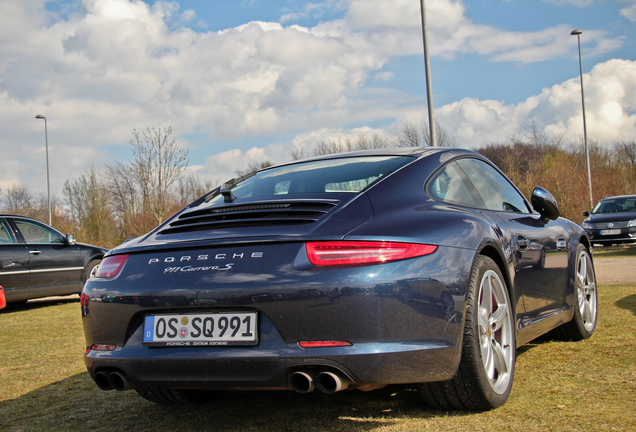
544	203
586	213
70	239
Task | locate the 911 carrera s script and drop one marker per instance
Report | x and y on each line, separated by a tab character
191	269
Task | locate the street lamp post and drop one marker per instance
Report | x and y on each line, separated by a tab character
427	67
48	183
577	33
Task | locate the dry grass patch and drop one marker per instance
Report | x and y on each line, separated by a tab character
560	386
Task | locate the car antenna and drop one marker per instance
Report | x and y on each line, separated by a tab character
228	197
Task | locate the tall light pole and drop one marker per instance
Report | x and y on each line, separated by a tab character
48	183
427	67
577	33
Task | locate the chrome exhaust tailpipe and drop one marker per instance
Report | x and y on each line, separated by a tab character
102	381
119	381
330	382
302	382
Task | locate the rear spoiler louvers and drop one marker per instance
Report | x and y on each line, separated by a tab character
257	214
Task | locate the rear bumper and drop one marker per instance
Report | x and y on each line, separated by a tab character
270	364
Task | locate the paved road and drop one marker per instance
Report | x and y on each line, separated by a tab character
615	271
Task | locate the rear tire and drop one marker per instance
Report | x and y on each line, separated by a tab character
484	378
90	269
583	322
171	396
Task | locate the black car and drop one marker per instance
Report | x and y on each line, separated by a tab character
612	221
38	261
421	266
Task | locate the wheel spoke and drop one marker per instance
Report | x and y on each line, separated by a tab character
582	270
581	298
501	359
489	360
498	318
485	303
483	327
587	314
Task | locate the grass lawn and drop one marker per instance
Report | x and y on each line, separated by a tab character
560	386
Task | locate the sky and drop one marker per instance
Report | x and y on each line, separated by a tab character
244	81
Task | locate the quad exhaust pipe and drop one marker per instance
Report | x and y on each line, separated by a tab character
302	382
109	380
330	382
326	382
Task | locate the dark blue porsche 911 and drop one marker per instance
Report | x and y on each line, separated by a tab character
421	266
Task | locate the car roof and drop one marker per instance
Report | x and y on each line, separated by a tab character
18	216
391	151
618	197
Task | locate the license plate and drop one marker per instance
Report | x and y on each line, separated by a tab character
610	232
203	329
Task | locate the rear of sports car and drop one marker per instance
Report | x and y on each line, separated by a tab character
303	276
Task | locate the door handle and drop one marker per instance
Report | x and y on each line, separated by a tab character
522	243
35	252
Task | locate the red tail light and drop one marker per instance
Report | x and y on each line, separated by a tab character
361	253
102	347
323	344
111	266
3	300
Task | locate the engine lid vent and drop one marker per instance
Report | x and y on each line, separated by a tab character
256	214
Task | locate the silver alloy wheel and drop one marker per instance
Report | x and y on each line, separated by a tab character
93	271
586	290
496	331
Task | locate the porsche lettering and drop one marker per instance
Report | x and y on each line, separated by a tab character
206	257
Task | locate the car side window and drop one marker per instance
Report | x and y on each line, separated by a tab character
449	185
34	233
6	236
495	190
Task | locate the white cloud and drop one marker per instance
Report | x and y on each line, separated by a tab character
111	66
610	102
630	11
610	90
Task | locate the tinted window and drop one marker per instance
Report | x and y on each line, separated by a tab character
615	205
495	190
35	233
344	175
449	185
6	236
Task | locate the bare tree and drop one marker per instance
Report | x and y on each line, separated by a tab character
625	155
330	147
125	198
408	135
190	187
88	198
444	138
298	154
157	163
254	166
19	199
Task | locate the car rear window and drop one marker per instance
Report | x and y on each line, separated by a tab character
341	175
